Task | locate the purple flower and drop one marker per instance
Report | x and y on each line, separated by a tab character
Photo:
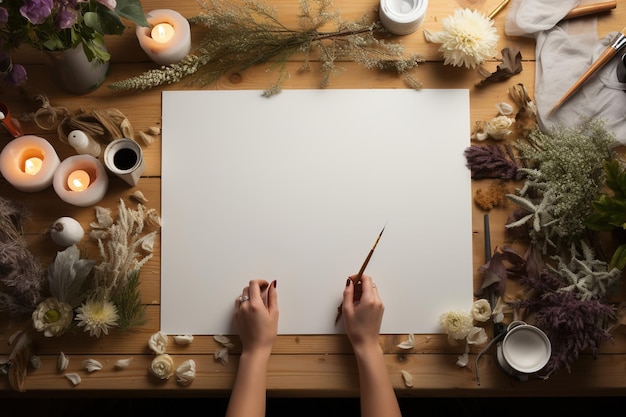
4	15
16	75
65	17
36	11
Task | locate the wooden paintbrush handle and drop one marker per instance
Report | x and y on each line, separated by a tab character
593	8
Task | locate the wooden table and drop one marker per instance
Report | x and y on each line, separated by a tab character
320	365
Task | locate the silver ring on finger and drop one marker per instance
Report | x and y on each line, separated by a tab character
243	298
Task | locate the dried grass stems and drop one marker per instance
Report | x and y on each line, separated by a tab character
242	35
125	246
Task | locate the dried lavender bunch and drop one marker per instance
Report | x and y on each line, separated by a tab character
572	325
569	302
494	161
243	35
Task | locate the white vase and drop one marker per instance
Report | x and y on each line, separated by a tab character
74	73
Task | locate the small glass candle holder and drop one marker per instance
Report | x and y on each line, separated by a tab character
28	163
81	180
168	39
124	158
402	17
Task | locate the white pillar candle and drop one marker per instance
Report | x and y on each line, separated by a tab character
81	180
168	39
28	163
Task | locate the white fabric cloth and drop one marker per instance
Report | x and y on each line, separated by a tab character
564	51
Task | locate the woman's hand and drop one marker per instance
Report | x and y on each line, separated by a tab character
363	314
256	315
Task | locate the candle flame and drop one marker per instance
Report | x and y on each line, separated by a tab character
78	180
33	165
162	33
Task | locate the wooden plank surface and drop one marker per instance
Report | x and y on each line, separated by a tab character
300	365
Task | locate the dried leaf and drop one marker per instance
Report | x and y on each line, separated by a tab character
511	65
103	218
62	362
184	339
408	378
224	341
92	365
221	355
74	378
409	343
123	363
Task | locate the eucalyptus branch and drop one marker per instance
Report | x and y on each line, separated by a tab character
241	36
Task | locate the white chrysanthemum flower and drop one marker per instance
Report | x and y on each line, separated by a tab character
52	317
456	324
96	316
468	38
481	310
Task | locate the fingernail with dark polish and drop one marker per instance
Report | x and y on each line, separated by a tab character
348	282
274	283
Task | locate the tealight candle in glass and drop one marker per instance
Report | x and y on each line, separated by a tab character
81	180
28	163
168	39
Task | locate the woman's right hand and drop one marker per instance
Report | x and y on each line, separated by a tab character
363	315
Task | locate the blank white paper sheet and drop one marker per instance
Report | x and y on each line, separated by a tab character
297	187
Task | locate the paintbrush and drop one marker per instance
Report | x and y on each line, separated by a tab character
358	276
498	9
497	327
593	8
618	43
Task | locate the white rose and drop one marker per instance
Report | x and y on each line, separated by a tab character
481	310
498	127
186	372
158	343
162	366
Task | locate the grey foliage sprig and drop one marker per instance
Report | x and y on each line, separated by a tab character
243	35
564	177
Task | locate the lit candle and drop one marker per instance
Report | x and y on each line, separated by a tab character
168	39
81	180
28	163
78	180
33	165
162	32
